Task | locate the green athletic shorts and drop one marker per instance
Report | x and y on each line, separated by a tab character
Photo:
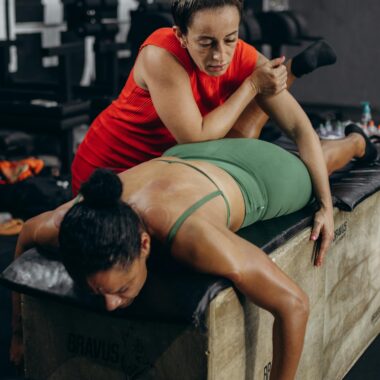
273	181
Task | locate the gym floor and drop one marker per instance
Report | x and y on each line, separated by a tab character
367	367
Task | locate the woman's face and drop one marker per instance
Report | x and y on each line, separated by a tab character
211	38
118	285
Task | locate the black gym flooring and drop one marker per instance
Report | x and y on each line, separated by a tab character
367	367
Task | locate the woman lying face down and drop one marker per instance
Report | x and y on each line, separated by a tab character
193	199
194	206
105	242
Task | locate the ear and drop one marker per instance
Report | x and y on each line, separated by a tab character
179	35
145	245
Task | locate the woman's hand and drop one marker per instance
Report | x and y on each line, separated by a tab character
270	77
322	233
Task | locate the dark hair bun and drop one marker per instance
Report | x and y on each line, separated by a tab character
102	189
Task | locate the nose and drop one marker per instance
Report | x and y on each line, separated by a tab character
112	301
218	52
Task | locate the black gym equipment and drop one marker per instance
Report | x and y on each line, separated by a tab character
283	28
144	21
44	108
97	18
56	107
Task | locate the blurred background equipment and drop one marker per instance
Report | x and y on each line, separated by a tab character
63	61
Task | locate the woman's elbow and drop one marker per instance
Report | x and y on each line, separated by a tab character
193	138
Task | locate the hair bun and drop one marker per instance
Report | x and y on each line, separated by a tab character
102	189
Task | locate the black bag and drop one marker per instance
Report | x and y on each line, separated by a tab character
34	195
14	144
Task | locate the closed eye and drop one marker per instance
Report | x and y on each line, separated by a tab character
206	42
123	289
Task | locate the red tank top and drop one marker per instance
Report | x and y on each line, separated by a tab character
129	131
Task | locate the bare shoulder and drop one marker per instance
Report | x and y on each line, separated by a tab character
157	61
207	247
157	220
155	55
44	228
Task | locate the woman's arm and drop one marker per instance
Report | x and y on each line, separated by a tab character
253	118
216	250
169	86
288	114
40	230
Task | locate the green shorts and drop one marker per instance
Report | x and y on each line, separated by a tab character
273	181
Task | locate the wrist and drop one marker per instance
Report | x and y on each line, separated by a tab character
254	88
327	205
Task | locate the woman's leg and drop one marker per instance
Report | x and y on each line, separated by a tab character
253	118
338	153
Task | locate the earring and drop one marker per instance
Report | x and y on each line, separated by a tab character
183	45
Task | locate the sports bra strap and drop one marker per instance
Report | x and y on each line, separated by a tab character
199	203
193	167
174	229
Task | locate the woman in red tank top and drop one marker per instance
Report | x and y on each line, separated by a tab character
198	82
189	83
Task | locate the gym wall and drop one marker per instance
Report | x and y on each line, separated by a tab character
352	27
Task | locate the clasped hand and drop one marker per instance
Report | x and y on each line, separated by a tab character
270	78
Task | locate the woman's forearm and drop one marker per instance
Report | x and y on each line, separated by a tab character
172	95
288	114
219	122
240	110
323	226
311	154
26	238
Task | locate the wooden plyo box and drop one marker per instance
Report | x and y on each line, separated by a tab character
65	342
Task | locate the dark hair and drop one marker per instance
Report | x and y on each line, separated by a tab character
101	231
184	10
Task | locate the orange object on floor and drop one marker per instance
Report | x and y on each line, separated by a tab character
16	171
11	227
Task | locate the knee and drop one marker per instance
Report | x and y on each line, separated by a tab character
297	304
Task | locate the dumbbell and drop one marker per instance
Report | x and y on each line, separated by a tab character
277	28
249	29
301	24
143	23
